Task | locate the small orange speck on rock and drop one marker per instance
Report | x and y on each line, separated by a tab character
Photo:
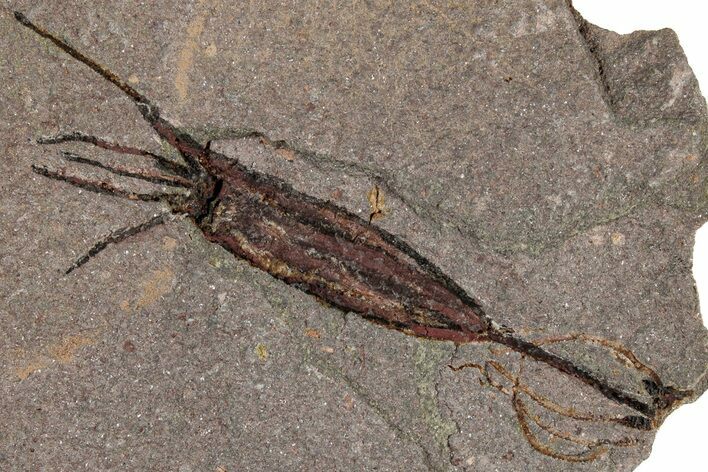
65	350
312	333
337	194
30	368
348	402
287	154
169	243
618	239
376	202
261	351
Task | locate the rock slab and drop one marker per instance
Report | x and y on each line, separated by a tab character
555	170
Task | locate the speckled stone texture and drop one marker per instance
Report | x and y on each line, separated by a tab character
555	170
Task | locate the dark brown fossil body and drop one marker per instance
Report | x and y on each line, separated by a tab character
337	256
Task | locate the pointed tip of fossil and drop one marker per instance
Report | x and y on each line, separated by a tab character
19	16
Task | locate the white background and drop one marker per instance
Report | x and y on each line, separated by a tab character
682	442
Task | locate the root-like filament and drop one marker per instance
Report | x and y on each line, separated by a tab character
556	433
163	162
105	188
590	454
146	175
116	237
592	448
620	352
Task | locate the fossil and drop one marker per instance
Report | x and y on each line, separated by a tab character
350	263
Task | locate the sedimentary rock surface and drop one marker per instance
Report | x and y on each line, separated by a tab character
554	170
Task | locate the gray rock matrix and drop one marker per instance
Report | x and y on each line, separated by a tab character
555	170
